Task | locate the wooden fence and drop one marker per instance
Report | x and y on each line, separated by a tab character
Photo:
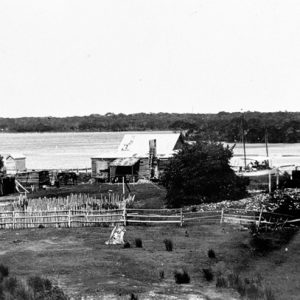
128	216
73	202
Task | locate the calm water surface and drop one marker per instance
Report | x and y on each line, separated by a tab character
74	150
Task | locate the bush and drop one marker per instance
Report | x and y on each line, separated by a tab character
126	244
3	271
182	277
221	282
133	297
211	253
201	173
168	244
36	288
268	294
161	274
138	243
253	229
208	274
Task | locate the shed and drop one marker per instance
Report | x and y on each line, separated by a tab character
124	167
15	163
143	151
34	178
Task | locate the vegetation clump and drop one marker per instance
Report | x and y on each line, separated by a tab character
168	244
34	288
138	243
182	277
247	288
201	173
208	274
161	274
211	253
126	244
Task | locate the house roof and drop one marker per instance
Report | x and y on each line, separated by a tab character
16	156
137	145
124	162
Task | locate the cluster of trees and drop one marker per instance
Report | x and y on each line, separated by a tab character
201	173
282	127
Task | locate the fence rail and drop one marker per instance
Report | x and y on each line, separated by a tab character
79	218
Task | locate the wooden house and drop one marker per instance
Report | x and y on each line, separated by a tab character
139	155
15	163
34	179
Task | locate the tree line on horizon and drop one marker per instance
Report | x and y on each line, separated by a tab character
279	127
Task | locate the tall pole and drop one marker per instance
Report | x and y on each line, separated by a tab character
266	141
267	153
244	142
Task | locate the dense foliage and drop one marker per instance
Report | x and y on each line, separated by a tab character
34	288
282	127
201	173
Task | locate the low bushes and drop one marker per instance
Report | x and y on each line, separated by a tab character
126	244
182	277
208	274
34	288
247	288
211	253
138	243
168	244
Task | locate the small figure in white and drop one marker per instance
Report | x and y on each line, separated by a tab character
117	236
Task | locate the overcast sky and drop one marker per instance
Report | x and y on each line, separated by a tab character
72	57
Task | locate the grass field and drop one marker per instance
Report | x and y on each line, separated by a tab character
79	261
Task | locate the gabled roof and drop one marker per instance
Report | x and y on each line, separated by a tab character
16	156
138	143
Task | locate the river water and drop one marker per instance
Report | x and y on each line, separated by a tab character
75	149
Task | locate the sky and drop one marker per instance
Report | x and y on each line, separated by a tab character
70	57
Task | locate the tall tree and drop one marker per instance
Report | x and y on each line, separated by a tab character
201	173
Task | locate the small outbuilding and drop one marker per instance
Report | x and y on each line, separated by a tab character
15	163
139	155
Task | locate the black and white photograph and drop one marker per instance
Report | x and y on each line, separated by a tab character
149	150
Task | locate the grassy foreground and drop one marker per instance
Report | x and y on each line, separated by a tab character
79	261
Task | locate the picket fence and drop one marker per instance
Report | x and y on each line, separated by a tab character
131	216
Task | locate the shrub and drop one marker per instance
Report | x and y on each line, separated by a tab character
133	297
161	274
168	244
126	244
221	282
36	288
268	294
3	271
194	208
253	228
181	277
10	285
208	274
37	284
211	253
138	243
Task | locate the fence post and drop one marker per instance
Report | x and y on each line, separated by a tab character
125	215
69	218
181	217
260	215
222	216
13	219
